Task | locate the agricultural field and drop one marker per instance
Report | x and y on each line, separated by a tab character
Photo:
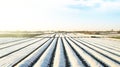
59	50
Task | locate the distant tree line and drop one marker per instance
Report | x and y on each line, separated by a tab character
95	32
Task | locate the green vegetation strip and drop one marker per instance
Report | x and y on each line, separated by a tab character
19	35
116	37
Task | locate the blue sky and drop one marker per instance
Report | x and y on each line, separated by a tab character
59	14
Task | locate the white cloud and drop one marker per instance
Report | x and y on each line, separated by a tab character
110	5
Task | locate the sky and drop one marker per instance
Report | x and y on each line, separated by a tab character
59	15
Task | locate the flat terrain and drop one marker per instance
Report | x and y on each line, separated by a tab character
59	50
